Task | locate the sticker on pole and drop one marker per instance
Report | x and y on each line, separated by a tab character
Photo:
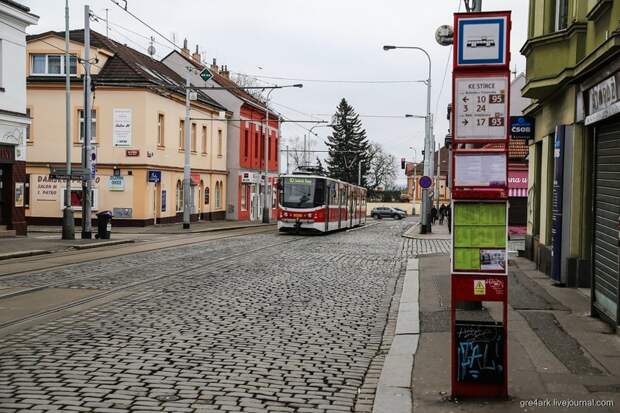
426	181
481	108
480	287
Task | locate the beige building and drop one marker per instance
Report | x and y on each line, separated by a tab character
138	135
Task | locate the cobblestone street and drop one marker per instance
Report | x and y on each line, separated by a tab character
264	322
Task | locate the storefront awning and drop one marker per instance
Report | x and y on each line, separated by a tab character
517	192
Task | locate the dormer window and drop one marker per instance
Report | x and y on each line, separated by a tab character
51	65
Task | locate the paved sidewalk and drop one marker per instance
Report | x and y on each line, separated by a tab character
557	352
46	240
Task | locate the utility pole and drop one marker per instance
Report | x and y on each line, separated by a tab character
68	220
287	160
438	176
266	203
186	153
86	152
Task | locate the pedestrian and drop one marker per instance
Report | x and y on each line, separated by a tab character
433	215
449	217
442	213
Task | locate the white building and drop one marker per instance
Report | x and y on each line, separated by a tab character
14	119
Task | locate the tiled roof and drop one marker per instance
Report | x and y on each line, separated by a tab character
128	66
224	81
16	5
517	148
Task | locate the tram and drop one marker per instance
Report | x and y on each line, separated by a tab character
316	203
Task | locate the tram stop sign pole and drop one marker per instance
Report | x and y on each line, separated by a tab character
479	261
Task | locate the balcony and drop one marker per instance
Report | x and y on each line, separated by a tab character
552	59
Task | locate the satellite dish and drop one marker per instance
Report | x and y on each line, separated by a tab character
444	35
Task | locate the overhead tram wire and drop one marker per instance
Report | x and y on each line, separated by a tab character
331	80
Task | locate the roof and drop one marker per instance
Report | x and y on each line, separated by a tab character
517	148
443	170
127	66
16	5
224	81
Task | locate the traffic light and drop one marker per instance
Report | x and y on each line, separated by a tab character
402	163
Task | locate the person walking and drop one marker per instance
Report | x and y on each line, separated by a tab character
449	217
442	213
433	214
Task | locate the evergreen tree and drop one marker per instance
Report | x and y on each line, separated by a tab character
347	145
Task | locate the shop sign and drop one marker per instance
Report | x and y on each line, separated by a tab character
481	108
603	101
521	127
116	183
46	189
121	127
154	176
517	179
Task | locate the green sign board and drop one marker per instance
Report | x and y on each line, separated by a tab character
479	236
206	74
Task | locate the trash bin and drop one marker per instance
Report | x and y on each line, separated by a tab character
104	225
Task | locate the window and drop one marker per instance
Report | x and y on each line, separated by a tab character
52	65
256	144
275	150
193	138
179	198
160	129
1	60
244	196
561	14
218	195
77	197
93	127
204	139
220	142
269	148
181	134
29	127
246	143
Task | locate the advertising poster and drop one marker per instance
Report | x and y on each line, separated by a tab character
19	194
121	127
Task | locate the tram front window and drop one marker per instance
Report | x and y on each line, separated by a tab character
300	192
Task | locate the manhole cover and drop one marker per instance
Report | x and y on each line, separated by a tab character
167	397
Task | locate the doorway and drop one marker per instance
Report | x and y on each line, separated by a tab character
4	198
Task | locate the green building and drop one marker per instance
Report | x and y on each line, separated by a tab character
573	75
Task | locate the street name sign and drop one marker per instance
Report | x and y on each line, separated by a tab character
76	173
481	108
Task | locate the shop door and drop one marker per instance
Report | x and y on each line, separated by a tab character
3	197
606	215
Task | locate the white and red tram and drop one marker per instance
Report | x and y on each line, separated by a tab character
319	204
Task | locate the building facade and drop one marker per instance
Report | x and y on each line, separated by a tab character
415	170
573	60
14	117
247	137
138	126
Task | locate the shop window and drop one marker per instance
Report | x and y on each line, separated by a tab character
51	65
179	196
93	127
204	139
77	197
160	129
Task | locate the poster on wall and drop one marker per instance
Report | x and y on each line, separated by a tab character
480	170
19	194
121	127
46	189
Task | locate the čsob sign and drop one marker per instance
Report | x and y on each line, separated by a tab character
522	127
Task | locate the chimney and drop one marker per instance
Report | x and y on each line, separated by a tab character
214	65
185	50
196	55
224	72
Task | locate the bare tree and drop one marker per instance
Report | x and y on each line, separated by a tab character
296	151
244	80
382	169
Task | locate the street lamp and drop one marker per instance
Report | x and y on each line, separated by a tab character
265	201
426	225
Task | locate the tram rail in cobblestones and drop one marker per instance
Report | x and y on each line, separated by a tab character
114	290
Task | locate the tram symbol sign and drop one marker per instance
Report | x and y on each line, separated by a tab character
426	182
481	108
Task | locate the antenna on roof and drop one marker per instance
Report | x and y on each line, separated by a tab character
151	49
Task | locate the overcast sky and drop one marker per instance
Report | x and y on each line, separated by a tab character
331	40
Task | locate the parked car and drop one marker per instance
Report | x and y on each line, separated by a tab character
400	210
381	212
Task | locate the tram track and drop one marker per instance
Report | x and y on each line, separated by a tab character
123	250
109	292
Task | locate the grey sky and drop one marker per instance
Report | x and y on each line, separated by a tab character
319	39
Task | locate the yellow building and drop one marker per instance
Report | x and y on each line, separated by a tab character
138	135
